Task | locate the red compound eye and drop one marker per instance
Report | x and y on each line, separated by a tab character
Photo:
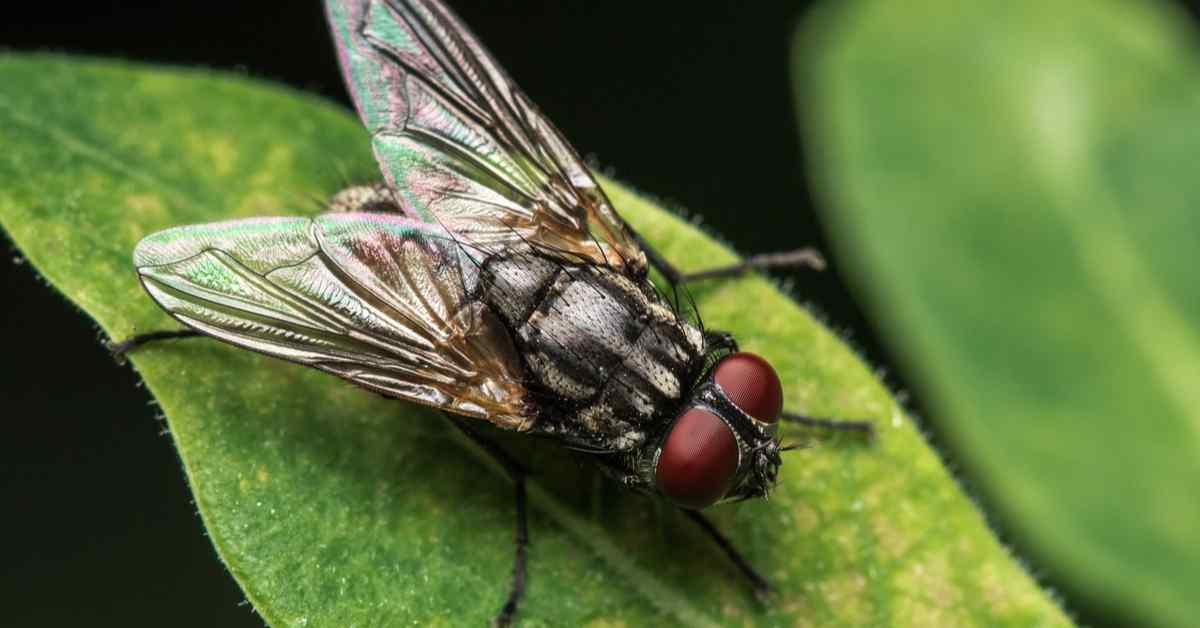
698	460
751	384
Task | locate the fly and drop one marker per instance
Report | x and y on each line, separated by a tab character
488	276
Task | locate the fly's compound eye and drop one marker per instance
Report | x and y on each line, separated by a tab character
751	384
698	460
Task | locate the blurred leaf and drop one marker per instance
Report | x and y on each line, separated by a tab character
1013	185
332	506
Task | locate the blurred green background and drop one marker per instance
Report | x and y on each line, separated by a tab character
1011	186
1004	187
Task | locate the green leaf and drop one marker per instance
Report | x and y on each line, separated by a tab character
332	506
1013	186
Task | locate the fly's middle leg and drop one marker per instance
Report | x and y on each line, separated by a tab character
517	473
805	257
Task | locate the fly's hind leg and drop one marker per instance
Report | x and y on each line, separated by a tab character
517	473
787	259
121	348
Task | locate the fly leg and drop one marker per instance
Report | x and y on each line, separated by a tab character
864	428
787	259
715	339
119	349
517	473
759	583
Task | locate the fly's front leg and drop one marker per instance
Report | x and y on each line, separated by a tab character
863	428
787	259
517	473
723	340
759	583
119	349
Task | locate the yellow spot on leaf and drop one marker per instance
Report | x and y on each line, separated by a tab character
145	204
848	594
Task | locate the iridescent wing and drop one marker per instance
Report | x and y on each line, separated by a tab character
381	300
460	144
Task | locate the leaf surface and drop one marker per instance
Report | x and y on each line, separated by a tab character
1013	186
332	506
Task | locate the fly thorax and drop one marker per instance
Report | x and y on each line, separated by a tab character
515	284
608	355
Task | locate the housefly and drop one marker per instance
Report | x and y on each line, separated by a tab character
488	276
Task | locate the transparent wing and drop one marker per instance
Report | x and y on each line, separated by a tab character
377	299
460	143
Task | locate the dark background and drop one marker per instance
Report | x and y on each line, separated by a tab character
688	101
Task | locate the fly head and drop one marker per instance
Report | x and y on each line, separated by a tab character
722	446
